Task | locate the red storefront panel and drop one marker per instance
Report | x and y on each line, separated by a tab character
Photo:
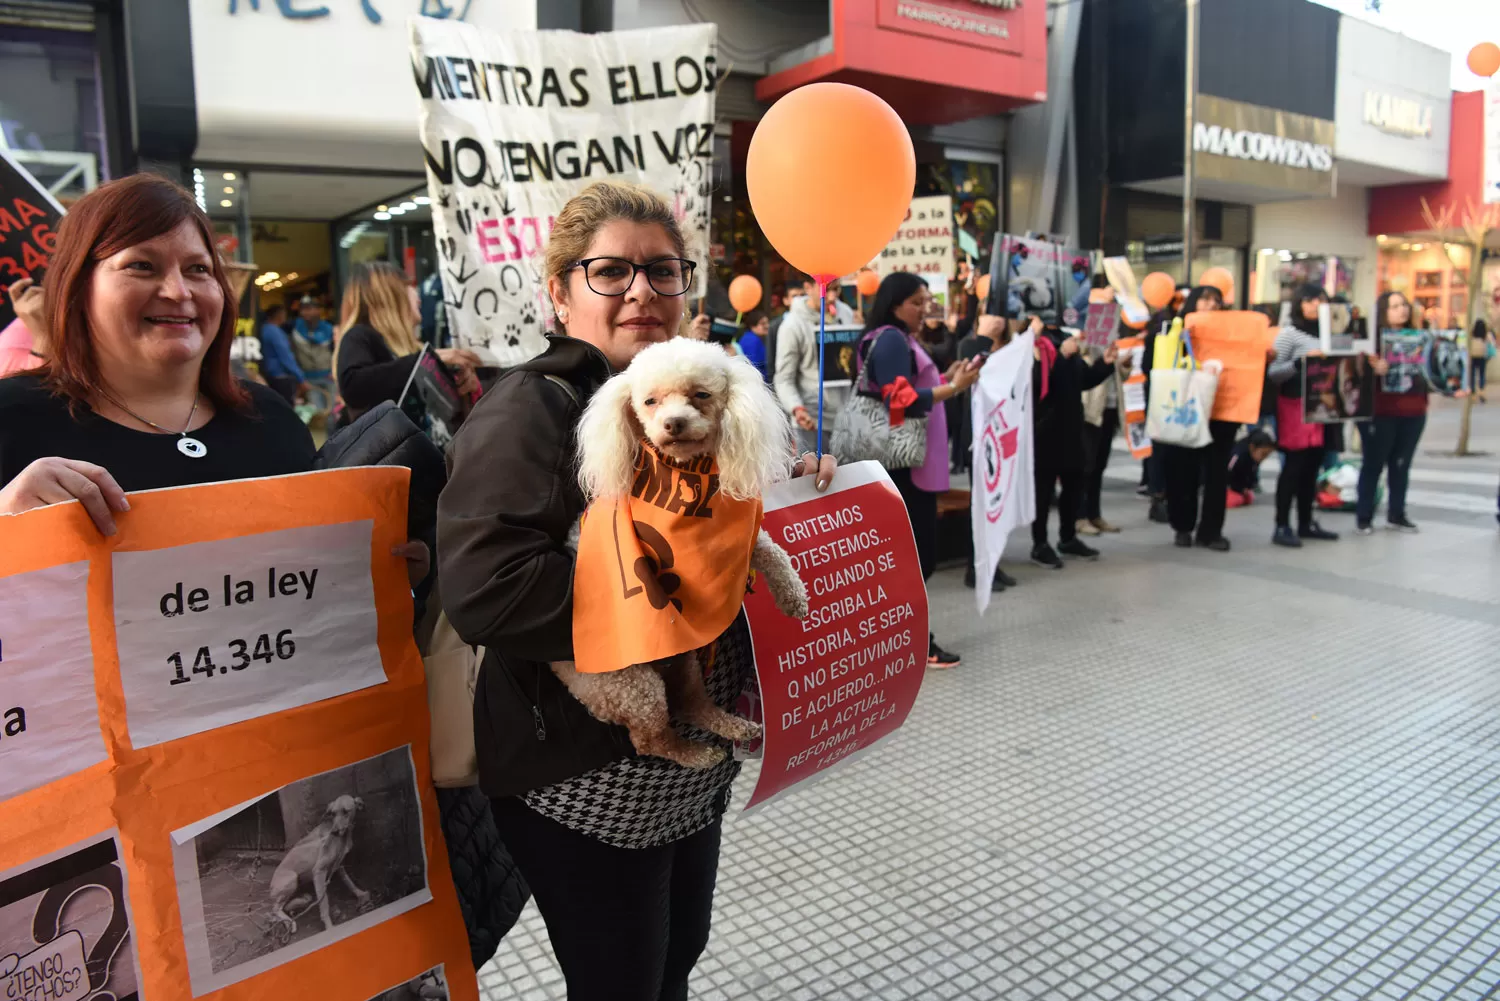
934	61
1398	208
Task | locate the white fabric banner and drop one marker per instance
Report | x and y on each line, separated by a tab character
1002	492
514	123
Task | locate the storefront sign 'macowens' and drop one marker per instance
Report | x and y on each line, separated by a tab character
1398	115
1247	145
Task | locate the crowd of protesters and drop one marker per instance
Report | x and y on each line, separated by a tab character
120	378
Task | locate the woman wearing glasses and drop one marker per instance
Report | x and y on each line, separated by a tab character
621	852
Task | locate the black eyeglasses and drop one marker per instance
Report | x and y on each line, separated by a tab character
615	275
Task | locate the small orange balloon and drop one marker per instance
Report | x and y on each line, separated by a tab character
868	282
1484	59
831	172
1157	289
1221	279
744	293
982	286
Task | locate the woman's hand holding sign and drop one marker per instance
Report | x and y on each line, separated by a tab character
54	480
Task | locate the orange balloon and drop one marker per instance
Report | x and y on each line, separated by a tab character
1484	59
1157	289
831	173
868	282
744	293
1221	279
982	286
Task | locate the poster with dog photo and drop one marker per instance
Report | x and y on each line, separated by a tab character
1038	278
1338	388
65	929
429	986
302	867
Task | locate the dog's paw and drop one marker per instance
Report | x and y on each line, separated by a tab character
699	756
792	601
742	731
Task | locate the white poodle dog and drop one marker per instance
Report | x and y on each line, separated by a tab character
690	401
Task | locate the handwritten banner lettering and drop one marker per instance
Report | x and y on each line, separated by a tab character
28	230
515	123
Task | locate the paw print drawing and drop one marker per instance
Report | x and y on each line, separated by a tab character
512	335
528	313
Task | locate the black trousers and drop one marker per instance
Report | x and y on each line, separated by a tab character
1299	481
921	508
627	924
1050	473
1188	470
1098	441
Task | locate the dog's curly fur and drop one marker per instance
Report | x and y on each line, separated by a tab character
688	399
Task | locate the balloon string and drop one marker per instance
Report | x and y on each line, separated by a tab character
822	330
737	315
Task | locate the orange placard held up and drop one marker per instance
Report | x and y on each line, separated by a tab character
663	571
1241	341
216	719
1133	397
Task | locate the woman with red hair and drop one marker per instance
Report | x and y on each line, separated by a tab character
136	390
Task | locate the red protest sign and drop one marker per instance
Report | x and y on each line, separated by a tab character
849	673
28	230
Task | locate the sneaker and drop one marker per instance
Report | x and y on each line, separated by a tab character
1158	512
1219	545
1085	527
1104	526
1284	536
1364	528
1183	540
1317	533
971	581
1143	491
1401	524
1045	556
1076	548
1008	580
941	659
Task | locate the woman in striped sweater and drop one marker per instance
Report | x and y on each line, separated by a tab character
1301	443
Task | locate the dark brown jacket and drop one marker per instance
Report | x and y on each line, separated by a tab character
507	576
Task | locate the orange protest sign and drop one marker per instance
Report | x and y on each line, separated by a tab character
1241	341
1133	396
217	718
663	571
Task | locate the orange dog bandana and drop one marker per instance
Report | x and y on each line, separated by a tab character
663	571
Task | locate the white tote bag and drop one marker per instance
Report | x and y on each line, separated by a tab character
1180	403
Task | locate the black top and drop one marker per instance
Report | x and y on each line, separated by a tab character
270	440
370	373
506	570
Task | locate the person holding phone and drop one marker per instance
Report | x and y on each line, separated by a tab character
378	348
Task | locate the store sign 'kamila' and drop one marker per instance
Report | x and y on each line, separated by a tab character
1398	115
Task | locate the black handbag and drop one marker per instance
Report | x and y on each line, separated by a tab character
384	436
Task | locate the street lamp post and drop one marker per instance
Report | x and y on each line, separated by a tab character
1190	114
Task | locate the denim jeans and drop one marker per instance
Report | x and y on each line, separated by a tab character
1387	442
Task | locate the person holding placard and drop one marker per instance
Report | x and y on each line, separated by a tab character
1389	440
620	851
1191	472
1301	443
136	392
896	368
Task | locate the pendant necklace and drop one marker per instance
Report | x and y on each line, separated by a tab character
188	446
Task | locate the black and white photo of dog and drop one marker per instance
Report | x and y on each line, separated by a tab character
429	986
305	865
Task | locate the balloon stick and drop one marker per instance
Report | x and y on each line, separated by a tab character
823	281
737	315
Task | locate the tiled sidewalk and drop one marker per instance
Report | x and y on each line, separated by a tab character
1171	774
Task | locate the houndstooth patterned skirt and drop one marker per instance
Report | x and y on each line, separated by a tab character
644	802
